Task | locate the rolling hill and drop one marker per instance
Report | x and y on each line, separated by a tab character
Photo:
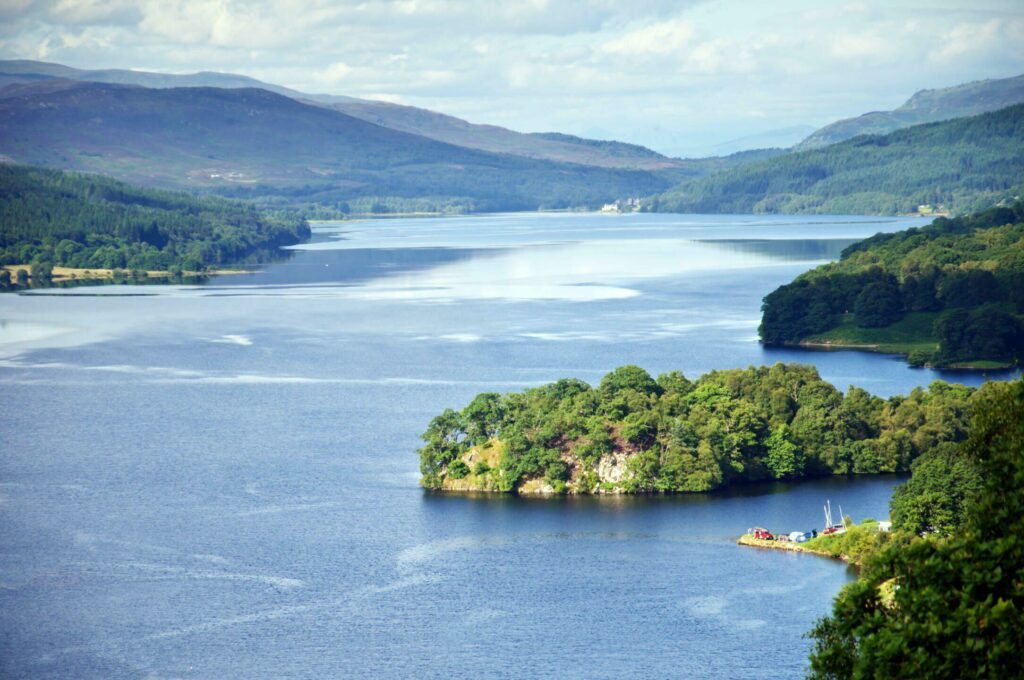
411	119
251	142
927	106
955	165
548	146
22	71
92	222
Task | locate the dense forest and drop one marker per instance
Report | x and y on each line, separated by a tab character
943	596
637	434
960	280
52	218
960	165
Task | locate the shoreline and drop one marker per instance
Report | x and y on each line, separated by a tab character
85	276
790	546
878	349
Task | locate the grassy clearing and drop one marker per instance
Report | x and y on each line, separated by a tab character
981	365
912	332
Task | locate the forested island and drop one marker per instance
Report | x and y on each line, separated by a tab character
93	224
637	434
949	294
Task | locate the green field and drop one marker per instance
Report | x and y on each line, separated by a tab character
912	332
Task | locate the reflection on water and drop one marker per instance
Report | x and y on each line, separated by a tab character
345	266
587	270
790	250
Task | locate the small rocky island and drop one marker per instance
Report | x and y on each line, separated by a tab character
637	434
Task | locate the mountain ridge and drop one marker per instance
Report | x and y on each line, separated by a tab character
248	141
424	122
959	165
924	106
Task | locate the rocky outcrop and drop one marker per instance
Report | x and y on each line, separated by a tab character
608	475
612	469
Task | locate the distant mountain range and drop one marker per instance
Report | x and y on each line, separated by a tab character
411	119
927	106
14	71
241	137
958	165
252	142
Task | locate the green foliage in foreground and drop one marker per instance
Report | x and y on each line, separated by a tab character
967	273
93	222
678	435
959	164
957	609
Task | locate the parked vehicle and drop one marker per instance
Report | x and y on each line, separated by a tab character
761	533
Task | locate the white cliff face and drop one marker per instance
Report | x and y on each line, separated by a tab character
611	467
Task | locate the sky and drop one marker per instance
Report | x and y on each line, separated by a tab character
684	77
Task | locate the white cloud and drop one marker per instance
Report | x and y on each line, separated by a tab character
663	37
518	76
967	39
336	73
858	46
720	56
94	12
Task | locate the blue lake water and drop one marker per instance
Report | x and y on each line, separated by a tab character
220	481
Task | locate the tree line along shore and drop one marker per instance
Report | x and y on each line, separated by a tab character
60	226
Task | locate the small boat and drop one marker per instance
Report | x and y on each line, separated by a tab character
830	527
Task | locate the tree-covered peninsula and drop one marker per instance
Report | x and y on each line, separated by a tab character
939	595
943	597
948	294
637	434
89	222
